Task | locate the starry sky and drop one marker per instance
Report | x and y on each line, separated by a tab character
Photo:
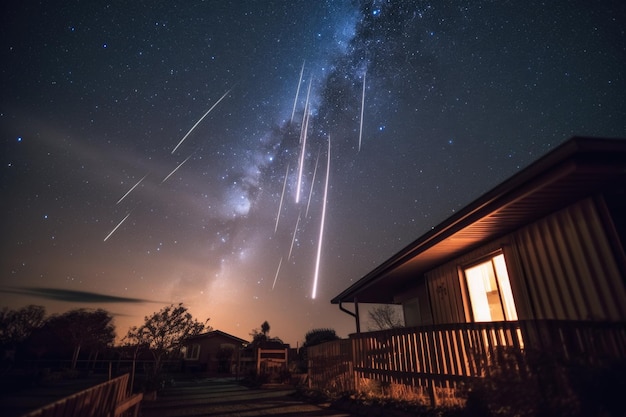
158	152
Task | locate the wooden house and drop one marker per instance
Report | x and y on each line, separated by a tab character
212	352
535	264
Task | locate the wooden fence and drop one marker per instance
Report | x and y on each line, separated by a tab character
445	355
110	399
330	366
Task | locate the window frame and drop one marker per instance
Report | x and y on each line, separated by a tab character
467	296
191	349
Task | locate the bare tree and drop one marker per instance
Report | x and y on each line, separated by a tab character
384	316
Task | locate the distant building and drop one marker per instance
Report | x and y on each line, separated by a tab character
213	352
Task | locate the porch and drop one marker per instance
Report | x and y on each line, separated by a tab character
437	360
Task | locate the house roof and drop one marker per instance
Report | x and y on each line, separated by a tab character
578	168
216	333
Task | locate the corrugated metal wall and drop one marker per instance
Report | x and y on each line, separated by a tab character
561	267
447	296
569	267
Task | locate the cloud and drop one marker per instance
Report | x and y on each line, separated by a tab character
73	296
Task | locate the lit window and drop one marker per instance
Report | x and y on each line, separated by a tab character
490	290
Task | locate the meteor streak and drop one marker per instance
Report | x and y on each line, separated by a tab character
280	206
198	122
176	169
132	188
362	106
303	141
277	271
115	228
308	203
305	113
293	239
295	101
319	244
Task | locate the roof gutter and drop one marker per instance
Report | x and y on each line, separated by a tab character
354	314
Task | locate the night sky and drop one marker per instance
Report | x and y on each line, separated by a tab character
426	105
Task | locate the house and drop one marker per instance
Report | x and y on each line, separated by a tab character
212	352
535	264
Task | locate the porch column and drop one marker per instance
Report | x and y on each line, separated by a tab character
356	315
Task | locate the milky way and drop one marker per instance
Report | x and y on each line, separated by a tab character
428	105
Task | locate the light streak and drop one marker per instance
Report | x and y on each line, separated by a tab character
303	149
280	207
319	243
277	271
198	122
176	169
306	110
295	101
116	227
132	188
362	107
293	239
308	203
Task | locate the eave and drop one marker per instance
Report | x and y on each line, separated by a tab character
579	168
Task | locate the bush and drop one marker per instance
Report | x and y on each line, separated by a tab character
547	385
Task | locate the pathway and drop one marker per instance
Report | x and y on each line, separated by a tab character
225	397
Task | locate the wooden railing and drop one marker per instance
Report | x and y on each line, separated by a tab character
110	399
446	352
422	356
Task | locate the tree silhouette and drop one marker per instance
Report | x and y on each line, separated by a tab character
265	328
17	325
260	336
319	336
164	332
75	331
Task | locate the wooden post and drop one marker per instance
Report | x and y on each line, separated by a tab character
132	375
432	393
356	315
354	345
286	360
238	363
